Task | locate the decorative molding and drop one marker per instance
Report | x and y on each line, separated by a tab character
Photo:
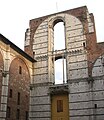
59	89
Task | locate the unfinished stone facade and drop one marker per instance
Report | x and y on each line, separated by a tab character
84	61
33	72
15	76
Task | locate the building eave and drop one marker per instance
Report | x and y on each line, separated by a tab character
16	48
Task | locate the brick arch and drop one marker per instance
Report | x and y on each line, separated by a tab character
22	59
19	83
21	62
1	68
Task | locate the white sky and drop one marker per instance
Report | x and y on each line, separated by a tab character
15	15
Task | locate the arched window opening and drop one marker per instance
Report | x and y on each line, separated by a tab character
59	44
60	71
59	36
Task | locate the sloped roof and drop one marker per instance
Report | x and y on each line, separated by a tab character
17	49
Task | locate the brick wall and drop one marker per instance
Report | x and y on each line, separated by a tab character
19	83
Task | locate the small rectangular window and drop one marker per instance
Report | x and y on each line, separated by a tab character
8	112
18	114
95	106
84	44
59	105
10	94
18	98
20	70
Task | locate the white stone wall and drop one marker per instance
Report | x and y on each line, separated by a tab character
76	68
90	24
44	67
41	39
27	38
98	67
82	96
44	43
40	108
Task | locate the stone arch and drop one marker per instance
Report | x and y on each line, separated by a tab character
64	17
73	27
43	45
19	57
44	32
74	37
55	20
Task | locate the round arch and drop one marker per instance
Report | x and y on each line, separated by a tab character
56	20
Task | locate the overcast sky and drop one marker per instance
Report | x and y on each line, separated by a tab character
15	15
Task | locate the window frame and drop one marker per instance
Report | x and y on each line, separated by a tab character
59	105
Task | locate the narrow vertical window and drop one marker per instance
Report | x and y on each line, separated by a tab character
60	64
33	54
95	106
60	71
10	93
59	105
84	45
18	98
8	112
18	114
20	70
59	36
